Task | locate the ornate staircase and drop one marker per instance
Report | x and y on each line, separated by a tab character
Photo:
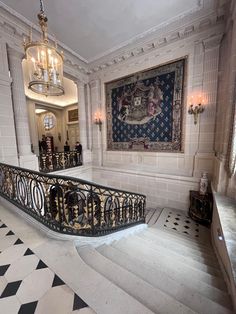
163	270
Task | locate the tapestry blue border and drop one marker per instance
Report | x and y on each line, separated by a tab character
144	110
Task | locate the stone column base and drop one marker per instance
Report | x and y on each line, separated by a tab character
29	162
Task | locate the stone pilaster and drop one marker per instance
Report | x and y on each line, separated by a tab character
26	158
8	148
83	121
97	143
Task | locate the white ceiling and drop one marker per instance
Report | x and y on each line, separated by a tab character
94	28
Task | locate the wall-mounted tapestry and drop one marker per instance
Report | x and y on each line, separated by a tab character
144	111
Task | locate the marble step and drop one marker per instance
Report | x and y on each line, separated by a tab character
182	237
165	252
157	278
152	216
151	297
104	296
176	250
141	250
184	278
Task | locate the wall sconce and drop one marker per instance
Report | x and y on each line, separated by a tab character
196	109
98	120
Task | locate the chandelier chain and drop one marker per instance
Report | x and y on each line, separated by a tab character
41	6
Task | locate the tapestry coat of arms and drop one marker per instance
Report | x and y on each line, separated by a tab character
144	111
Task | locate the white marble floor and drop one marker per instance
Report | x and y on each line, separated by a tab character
27	284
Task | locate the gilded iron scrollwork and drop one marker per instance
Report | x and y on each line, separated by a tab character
70	205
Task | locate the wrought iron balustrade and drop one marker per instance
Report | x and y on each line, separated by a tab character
70	205
60	160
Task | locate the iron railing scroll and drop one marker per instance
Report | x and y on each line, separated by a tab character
60	160
70	205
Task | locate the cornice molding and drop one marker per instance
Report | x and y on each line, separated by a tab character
206	16
150	31
158	41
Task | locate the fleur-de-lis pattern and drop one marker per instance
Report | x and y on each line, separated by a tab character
146	110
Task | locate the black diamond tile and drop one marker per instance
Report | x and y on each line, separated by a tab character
186	232
28	252
176	223
167	220
177	218
10	233
78	303
187	221
186	227
196	235
165	225
41	265
11	289
168	216
57	281
3	226
28	308
18	241
3	269
197	230
174	229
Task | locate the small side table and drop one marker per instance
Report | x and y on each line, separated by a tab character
200	208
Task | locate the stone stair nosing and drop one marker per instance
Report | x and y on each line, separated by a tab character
192	247
208	255
184	294
203	288
181	255
206	243
141	250
152	298
154	215
182	236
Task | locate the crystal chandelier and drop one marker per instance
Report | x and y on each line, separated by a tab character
44	62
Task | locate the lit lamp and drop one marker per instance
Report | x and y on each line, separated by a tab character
196	109
44	62
98	120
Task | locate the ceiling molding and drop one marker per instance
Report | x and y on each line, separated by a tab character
158	41
206	15
150	31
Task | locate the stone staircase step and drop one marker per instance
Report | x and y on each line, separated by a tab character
181	252
153	216
142	249
169	236
105	297
152	298
182	241
205	245
208	303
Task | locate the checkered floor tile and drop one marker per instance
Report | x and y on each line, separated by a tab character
28	285
179	221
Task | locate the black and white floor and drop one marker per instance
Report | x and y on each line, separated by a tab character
28	285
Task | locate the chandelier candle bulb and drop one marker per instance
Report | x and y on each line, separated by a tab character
44	62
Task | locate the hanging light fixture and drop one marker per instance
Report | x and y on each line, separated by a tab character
44	62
